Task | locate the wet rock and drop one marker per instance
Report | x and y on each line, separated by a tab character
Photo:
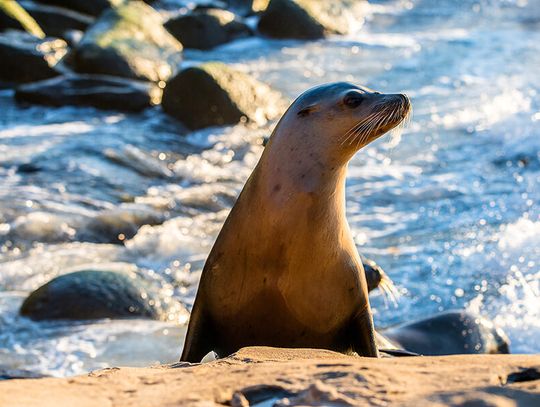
129	41
26	58
117	225
9	374
304	19
94	294
91	7
54	21
213	94
449	333
207	28
248	7
102	92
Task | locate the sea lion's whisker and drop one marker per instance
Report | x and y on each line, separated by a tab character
350	133
389	290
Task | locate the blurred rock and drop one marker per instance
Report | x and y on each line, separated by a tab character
54	21
117	225
94	294
100	91
9	374
214	94
129	41
450	333
91	7
26	58
304	19
248	7
207	28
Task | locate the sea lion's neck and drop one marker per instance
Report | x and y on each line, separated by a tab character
286	177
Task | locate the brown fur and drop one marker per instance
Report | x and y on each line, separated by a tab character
284	270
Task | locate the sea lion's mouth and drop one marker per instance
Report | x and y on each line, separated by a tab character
388	113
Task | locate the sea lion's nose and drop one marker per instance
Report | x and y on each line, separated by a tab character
405	101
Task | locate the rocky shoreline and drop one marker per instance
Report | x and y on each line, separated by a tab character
262	376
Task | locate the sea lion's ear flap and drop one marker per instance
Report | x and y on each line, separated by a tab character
306	110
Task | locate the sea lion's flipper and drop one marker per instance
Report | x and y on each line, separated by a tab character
363	334
199	337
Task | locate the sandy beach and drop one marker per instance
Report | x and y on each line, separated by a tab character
270	376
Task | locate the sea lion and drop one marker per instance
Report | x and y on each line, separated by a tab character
449	333
284	270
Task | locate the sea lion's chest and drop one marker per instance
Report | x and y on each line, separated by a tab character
316	290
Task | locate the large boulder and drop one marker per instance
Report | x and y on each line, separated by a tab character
449	333
26	58
304	19
95	294
207	28
213	94
54	21
91	7
129	41
100	91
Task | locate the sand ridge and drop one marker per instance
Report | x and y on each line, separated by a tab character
295	377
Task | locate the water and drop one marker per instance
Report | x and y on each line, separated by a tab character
450	210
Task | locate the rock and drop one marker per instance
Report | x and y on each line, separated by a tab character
10	374
100	91
117	225
94	294
205	29
248	7
129	41
91	7
54	21
449	333
213	94
303	19
26	58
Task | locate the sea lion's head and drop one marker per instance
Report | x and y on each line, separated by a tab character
335	120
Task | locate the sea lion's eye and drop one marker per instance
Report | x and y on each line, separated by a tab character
353	99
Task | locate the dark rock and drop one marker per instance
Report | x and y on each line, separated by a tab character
54	21
26	58
205	29
214	94
100	91
91	7
248	7
93	294
449	333
129	41
210	4
524	375
304	19
9	374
